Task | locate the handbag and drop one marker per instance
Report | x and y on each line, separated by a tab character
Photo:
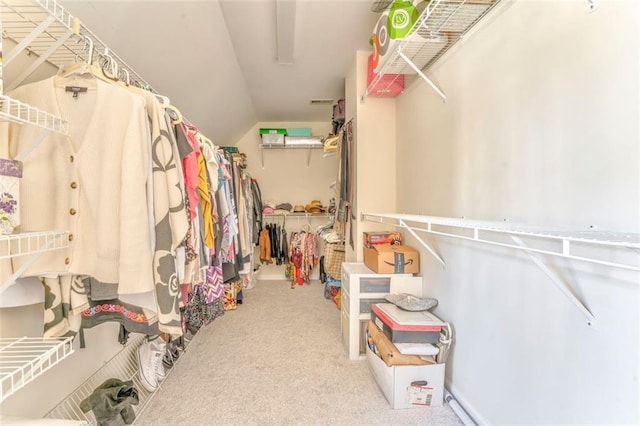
333	258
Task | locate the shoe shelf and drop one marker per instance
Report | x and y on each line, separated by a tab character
29	243
609	249
123	366
24	359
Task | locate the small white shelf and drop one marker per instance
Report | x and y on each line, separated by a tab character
306	146
24	359
19	112
31	244
298	146
27	243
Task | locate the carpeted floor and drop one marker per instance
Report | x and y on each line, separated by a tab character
278	359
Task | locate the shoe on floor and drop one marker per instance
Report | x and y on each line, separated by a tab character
170	354
147	366
158	348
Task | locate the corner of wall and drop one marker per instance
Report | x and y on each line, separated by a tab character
374	152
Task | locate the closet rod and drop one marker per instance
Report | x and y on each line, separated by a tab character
54	35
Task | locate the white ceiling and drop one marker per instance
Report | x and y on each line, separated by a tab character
217	60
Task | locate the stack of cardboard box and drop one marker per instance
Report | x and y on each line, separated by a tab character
384	253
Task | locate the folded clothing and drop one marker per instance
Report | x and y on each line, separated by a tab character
409	302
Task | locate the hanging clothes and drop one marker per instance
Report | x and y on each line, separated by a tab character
92	182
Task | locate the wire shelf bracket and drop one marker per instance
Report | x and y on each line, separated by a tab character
29	243
24	359
486	232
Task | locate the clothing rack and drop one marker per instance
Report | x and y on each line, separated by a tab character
47	33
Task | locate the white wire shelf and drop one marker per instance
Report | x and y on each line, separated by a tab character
19	112
123	366
483	231
440	25
611	249
24	359
28	243
318	145
45	29
32	244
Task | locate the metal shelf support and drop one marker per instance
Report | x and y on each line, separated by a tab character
422	75
557	280
452	227
24	359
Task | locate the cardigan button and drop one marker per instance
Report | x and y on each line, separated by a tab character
71	158
74	185
67	261
72	212
70	237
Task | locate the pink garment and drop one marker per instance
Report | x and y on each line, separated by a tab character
191	173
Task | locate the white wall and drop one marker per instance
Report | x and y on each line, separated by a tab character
374	153
540	127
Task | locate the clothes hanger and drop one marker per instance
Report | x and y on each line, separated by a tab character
205	141
174	114
84	67
164	101
109	65
126	77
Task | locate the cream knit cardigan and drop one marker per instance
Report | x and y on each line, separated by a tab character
96	191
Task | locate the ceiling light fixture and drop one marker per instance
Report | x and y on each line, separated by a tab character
285	30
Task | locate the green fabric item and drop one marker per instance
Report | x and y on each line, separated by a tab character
111	403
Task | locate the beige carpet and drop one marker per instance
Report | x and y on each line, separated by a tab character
277	359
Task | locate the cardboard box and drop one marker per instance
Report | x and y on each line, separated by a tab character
408	386
401	326
389	353
387	259
385	237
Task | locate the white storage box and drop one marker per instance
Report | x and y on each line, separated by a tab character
303	140
272	139
408	386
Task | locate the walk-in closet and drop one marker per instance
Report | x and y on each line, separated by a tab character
319	212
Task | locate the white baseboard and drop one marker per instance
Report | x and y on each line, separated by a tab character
466	405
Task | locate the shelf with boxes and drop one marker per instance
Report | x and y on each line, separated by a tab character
609	249
291	138
411	35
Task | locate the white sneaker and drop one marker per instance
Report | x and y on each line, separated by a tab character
158	347
146	367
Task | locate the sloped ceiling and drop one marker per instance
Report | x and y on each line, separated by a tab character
217	60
